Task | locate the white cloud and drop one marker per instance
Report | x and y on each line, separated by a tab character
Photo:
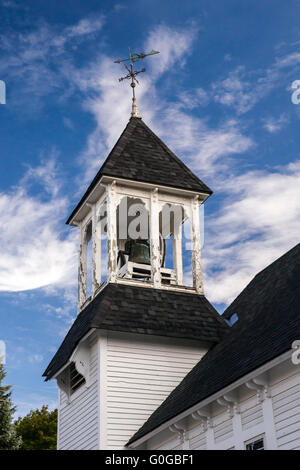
190	99
274	125
33	358
39	62
36	252
258	221
34	401
174	47
242	89
202	147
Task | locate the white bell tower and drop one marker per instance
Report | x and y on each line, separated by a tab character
128	227
143	321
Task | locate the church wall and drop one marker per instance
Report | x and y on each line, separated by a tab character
141	372
276	417
286	406
78	420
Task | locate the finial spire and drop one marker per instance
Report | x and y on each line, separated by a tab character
132	75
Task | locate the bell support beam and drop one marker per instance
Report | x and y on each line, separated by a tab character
82	268
112	232
154	239
196	247
96	240
177	254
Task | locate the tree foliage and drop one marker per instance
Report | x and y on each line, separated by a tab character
38	429
8	436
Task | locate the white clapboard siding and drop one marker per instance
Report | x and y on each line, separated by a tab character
78	420
223	428
277	418
251	413
286	407
141	373
197	437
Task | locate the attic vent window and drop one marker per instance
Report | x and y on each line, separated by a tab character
76	379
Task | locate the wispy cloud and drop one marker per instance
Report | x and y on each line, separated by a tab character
36	252
38	63
258	221
201	146
242	89
35	400
274	125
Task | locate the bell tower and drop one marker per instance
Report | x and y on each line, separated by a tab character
143	321
135	224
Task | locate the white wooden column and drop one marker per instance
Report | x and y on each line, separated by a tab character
267	406
82	268
96	240
112	232
210	437
196	247
177	254
237	430
154	239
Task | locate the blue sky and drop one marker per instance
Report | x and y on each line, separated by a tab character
219	94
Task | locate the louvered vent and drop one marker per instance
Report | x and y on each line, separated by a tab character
76	379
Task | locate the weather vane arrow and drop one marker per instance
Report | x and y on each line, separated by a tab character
132	75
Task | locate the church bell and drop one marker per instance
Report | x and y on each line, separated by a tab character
138	251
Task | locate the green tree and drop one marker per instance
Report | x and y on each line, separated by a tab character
38	429
8	436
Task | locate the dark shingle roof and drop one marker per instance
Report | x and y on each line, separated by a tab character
278	279
140	155
269	323
121	307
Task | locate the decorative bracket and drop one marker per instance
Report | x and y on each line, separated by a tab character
63	382
229	400
180	430
81	358
204	417
260	385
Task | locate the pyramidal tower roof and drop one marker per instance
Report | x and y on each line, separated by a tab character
140	155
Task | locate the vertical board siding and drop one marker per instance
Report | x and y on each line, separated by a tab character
141	373
286	406
78	420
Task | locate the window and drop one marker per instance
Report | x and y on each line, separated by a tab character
76	379
257	443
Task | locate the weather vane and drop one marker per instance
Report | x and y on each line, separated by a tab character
132	75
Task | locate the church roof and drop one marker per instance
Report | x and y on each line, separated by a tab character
269	322
160	312
140	155
271	284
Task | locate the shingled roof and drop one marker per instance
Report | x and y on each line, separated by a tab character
140	155
269	322
121	307
274	282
